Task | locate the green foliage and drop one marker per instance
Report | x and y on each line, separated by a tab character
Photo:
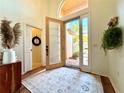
75	55
75	28
112	38
76	38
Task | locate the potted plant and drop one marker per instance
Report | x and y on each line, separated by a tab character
112	37
10	37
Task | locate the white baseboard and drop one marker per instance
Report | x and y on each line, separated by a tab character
113	84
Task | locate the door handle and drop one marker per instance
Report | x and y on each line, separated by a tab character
47	50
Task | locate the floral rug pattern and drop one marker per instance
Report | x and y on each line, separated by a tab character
63	80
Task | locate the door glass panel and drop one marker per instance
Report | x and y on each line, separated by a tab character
72	43
85	40
54	43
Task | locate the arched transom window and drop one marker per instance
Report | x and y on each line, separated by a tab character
72	6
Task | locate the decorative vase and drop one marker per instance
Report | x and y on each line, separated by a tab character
9	56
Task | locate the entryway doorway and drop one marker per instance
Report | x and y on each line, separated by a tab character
72	43
36	48
67	43
33	47
77	43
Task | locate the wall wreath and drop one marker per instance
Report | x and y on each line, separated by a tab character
36	41
112	37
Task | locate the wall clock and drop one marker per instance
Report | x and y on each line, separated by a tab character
36	41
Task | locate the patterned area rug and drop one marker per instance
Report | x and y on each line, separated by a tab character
63	80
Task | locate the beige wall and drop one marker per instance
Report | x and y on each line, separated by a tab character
100	13
27	11
53	6
116	57
36	50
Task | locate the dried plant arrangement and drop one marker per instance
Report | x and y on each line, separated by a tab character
10	36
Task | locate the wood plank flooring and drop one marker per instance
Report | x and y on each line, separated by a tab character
107	86
33	71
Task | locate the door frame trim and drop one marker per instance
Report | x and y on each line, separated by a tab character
24	44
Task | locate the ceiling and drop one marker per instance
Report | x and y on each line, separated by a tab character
71	6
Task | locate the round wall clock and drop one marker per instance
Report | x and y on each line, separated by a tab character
36	41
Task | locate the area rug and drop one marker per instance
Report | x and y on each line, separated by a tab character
63	80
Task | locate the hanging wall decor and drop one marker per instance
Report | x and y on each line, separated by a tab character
112	37
36	41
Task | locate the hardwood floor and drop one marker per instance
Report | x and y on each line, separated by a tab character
24	90
107	86
33	71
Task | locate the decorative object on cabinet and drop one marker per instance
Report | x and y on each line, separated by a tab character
10	38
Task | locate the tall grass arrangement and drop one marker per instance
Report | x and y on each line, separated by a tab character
10	35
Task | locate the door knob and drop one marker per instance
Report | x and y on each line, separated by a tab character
47	50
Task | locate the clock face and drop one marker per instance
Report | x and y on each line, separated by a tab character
36	41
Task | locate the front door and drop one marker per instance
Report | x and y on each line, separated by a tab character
55	43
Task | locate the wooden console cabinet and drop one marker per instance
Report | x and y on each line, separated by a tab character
10	77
